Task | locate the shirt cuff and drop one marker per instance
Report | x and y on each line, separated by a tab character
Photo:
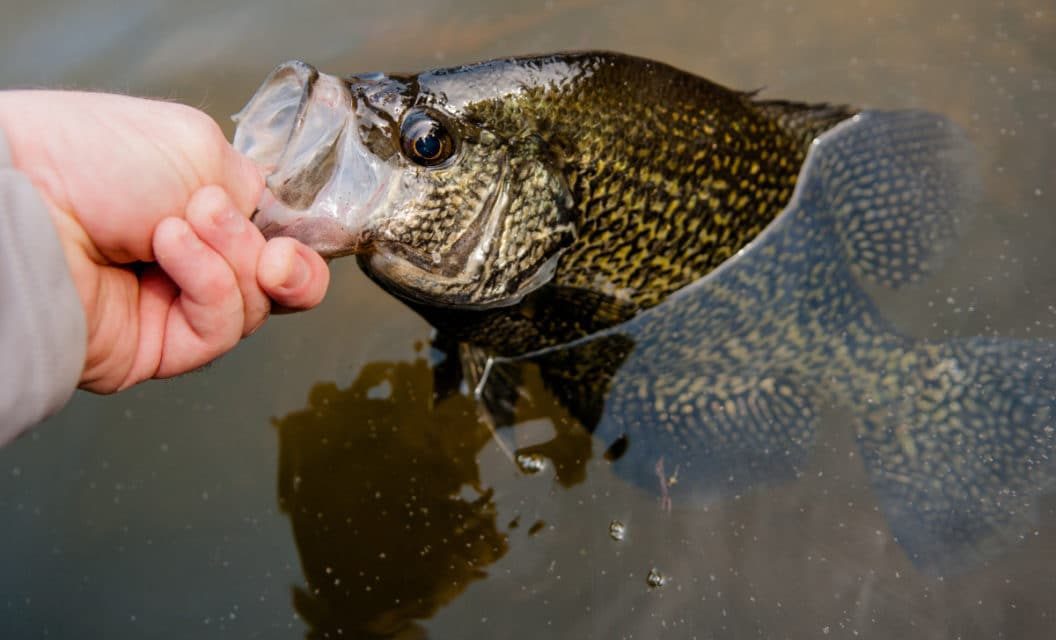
43	332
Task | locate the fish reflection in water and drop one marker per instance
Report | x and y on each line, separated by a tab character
385	499
720	387
382	487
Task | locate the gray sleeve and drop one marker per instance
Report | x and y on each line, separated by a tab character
43	336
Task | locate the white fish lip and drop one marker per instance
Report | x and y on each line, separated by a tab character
319	226
271	116
326	236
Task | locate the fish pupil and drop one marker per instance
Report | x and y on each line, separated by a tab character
425	140
428	146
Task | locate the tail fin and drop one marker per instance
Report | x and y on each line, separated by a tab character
961	446
957	436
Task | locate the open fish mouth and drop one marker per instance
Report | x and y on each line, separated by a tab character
323	185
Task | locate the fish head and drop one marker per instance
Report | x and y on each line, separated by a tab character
442	203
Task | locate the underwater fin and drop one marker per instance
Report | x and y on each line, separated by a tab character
804	120
715	431
447	368
495	383
959	445
579	376
899	185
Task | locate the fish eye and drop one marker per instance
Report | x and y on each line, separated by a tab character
425	139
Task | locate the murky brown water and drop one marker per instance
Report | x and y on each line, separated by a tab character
309	481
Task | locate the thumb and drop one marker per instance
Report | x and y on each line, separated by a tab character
291	274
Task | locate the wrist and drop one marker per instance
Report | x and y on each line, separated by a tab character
45	320
77	251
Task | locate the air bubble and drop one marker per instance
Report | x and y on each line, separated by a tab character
531	462
655	579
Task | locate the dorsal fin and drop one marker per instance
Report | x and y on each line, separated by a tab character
803	120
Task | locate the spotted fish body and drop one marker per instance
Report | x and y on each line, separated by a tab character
664	189
594	172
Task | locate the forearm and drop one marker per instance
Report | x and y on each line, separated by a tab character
42	324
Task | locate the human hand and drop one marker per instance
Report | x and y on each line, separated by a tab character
151	205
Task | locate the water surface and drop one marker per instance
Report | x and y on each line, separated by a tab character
310	481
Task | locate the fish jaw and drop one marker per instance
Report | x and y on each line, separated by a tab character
323	184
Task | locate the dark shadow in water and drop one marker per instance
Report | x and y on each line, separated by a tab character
721	388
381	484
382	489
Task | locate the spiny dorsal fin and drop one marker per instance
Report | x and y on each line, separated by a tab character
803	120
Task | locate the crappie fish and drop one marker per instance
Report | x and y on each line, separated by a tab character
684	264
473	186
